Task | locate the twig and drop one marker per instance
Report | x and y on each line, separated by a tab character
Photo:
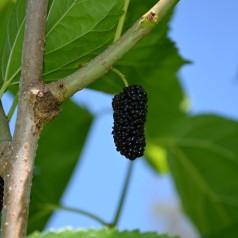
18	176
5	139
123	194
13	108
5	134
53	207
69	85
121	75
121	21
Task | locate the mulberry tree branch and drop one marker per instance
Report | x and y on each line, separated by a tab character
18	174
66	87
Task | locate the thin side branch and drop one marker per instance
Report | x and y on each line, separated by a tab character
5	134
66	87
18	175
121	21
123	194
53	207
13	108
5	139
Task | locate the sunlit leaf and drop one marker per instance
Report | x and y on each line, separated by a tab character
157	157
5	8
76	31
98	234
11	57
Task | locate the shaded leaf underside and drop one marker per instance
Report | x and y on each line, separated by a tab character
204	163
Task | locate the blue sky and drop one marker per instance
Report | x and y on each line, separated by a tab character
205	33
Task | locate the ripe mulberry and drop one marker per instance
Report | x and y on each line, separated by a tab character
1	192
130	108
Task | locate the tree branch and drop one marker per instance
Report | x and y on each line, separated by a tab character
18	175
66	87
33	48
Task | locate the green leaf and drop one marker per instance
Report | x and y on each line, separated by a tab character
76	31
204	163
11	57
5	8
60	146
104	233
229	232
157	157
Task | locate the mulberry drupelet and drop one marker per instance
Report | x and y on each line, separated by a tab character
130	108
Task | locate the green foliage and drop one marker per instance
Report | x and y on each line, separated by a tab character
56	159
204	163
105	233
228	232
5	9
11	57
75	33
201	150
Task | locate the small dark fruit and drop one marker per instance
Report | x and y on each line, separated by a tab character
129	114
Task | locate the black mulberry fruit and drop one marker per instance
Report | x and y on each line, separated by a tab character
130	108
1	192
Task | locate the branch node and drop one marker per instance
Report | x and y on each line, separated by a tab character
45	106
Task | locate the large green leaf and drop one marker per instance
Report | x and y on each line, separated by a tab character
204	163
60	146
11	57
105	233
5	8
76	31
229	232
